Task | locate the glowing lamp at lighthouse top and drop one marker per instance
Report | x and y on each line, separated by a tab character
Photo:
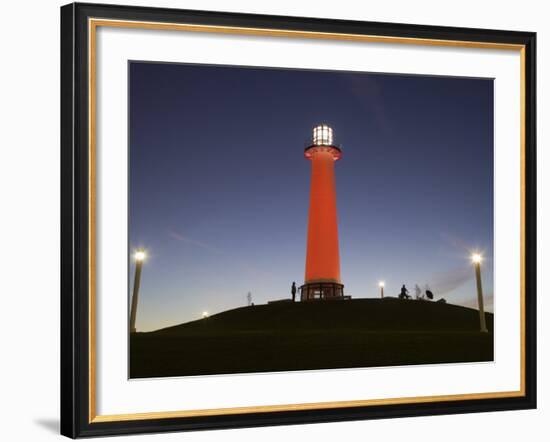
322	135
323	141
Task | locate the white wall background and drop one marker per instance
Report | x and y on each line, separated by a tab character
29	220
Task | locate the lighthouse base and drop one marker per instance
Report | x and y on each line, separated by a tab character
314	291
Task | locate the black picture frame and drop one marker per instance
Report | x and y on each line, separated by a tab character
75	219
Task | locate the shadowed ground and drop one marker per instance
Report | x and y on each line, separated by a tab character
314	335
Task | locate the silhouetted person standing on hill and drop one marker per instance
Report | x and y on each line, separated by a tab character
404	293
293	291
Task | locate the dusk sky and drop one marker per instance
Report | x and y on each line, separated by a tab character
219	186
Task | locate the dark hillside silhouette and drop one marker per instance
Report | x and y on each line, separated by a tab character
314	335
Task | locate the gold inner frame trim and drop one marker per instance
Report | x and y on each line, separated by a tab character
93	24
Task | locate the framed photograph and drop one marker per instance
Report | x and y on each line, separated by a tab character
274	220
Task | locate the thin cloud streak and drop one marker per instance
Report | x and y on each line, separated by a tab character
193	242
443	283
244	265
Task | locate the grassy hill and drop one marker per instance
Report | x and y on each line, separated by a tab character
315	335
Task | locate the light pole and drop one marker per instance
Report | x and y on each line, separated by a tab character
139	256
381	284
476	259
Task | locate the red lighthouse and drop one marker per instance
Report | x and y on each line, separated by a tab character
322	279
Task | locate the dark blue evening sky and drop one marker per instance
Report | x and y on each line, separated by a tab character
219	186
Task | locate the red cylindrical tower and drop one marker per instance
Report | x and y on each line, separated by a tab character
322	279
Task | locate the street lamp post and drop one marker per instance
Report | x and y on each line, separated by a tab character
381	284
476	259
139	256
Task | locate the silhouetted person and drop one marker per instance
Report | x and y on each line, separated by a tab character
293	291
404	293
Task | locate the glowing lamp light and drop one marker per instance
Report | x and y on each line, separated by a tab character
476	258
140	255
322	135
381	284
